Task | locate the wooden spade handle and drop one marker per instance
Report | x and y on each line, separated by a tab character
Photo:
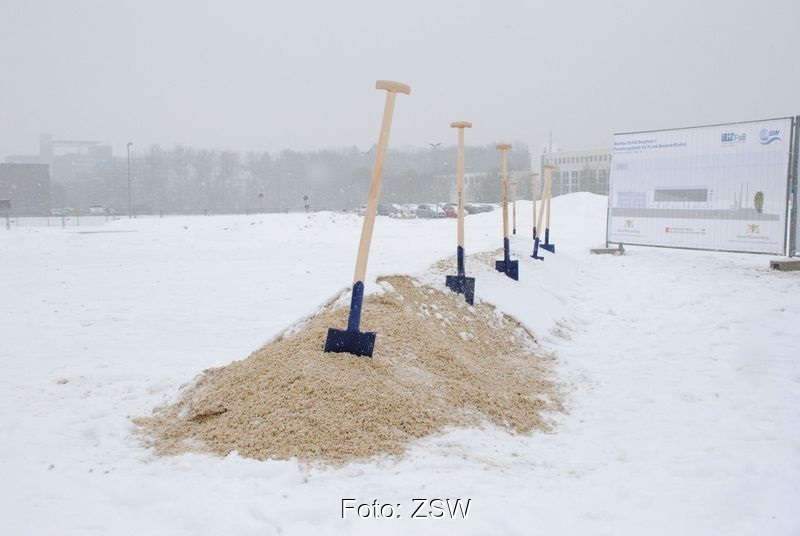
533	195
513	185
543	208
503	147
460	125
393	87
548	173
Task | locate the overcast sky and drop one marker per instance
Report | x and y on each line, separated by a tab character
300	74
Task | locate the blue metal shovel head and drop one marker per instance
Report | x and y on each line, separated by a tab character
510	268
547	245
536	250
350	342
462	285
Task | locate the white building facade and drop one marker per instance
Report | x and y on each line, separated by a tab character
578	171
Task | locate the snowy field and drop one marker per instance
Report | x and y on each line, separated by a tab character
680	370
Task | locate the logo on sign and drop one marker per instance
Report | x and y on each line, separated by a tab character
733	137
767	136
753	228
629	224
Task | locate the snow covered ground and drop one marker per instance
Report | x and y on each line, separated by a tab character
681	370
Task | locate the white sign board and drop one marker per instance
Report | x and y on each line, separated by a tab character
721	187
796	237
795	193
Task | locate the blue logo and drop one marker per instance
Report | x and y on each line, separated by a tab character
766	136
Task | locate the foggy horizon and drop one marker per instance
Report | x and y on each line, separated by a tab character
247	76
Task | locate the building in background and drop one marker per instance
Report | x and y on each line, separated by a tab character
83	173
482	182
578	171
27	187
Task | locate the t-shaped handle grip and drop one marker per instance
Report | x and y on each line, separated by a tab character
461	124
503	146
394	87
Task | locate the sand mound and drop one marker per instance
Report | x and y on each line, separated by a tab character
438	362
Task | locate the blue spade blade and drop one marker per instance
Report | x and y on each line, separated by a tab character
536	249
462	285
547	245
350	342
510	268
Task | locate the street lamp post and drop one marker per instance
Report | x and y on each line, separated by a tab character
278	183
130	212
435	147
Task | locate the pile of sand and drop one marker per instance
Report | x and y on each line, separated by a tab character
438	362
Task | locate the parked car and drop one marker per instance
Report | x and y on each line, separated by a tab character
471	208
97	210
477	208
385	209
428	211
402	212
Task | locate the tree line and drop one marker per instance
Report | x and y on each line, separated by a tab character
183	179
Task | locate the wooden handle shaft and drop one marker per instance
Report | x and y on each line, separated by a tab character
542	205
504	177
533	195
460	185
513	185
460	125
375	181
548	173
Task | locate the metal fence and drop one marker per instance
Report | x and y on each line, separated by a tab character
76	219
63	221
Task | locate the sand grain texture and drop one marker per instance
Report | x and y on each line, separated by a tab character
438	362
